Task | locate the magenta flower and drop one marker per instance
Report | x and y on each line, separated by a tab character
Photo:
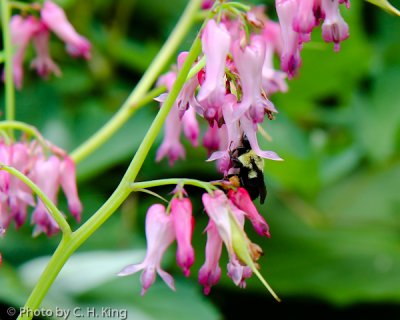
43	63
334	28
181	212
159	234
55	19
241	199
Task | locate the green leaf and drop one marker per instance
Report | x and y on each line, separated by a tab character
386	6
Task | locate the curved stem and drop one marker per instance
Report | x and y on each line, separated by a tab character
128	108
8	51
70	244
53	210
163	182
123	188
22	126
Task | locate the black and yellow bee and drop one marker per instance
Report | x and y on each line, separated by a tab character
250	170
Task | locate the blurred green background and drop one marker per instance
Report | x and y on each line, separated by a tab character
333	205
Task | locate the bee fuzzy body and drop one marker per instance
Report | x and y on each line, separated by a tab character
250	168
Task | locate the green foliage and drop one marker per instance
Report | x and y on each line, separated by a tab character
333	204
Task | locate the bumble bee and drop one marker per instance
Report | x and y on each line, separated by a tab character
250	170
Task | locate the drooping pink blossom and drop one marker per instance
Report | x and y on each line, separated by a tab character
181	213
53	16
190	126
290	57
171	147
241	199
21	31
68	185
43	63
46	175
212	90
214	34
304	19
159	234
210	271
334	28
249	62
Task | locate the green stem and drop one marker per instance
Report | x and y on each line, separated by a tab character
123	188
22	126
69	245
57	261
151	74
53	210
8	51
163	182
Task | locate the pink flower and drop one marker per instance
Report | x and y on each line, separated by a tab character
334	28
159	234
15	196
304	20
171	146
21	31
68	184
241	199
220	211
191	126
211	139
249	63
186	97
214	34
46	176
55	19
272	80
290	57
212	90
210	272
250	131
181	212
19	194
43	63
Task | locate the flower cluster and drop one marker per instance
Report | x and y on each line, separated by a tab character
299	17
48	172
227	213
25	29
231	92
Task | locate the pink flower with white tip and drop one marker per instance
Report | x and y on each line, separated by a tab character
160	234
